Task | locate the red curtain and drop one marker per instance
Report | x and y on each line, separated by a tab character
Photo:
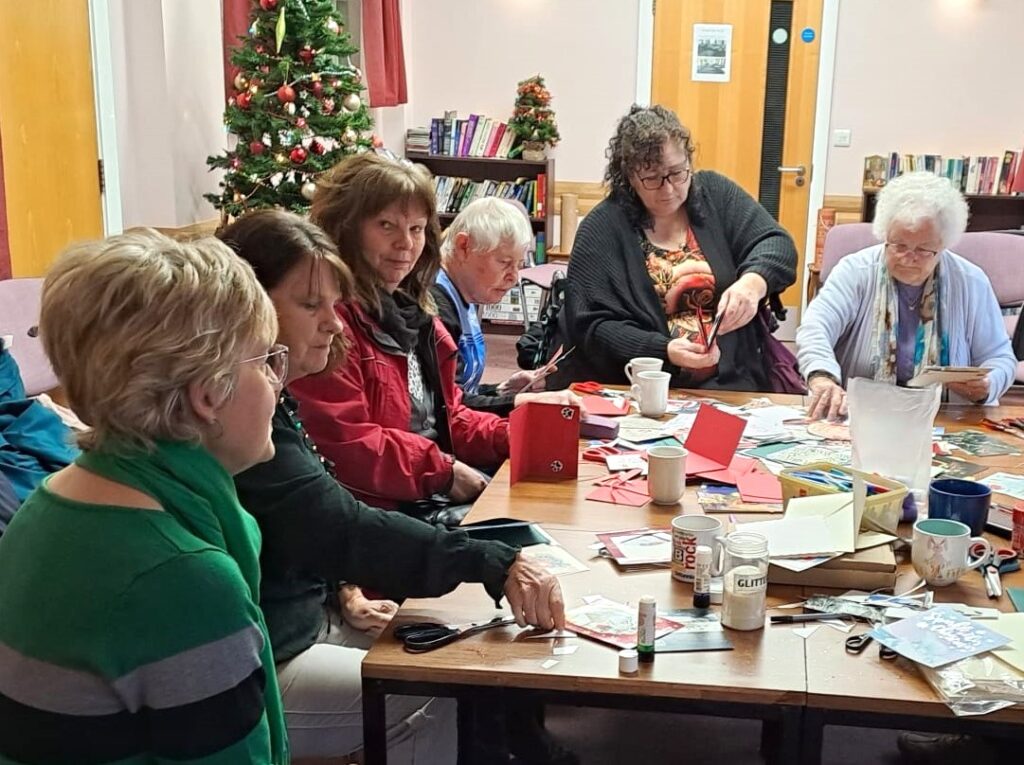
5	252
235	15
383	56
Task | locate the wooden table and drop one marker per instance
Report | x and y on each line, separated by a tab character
796	686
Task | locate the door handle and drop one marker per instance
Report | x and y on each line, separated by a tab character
799	170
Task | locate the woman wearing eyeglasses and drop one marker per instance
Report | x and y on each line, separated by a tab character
889	310
666	251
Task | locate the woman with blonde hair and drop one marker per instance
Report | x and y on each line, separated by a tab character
129	581
392	419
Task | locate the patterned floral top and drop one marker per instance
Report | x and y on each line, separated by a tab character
683	281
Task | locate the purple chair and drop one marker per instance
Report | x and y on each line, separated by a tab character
999	254
19	315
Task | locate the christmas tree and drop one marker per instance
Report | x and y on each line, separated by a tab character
532	116
297	108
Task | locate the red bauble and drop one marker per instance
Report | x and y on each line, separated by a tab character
378	142
317	148
286	94
318	89
256	148
268	5
235	163
306	54
243	100
298	155
300	122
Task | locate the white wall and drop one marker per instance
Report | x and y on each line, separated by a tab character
169	104
925	77
468	55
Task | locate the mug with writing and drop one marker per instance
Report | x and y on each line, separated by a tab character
666	474
941	551
689	531
651	392
642	364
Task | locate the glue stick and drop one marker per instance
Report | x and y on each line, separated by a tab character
645	629
702	577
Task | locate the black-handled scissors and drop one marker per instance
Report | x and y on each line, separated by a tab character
857	643
420	637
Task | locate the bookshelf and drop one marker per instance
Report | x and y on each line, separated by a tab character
989	212
492	169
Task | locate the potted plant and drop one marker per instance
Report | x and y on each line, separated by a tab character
533	121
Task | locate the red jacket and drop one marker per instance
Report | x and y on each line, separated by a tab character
358	416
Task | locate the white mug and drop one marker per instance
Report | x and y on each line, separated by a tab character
651	392
941	551
666	474
689	531
642	364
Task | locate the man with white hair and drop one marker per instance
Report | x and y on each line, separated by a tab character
481	255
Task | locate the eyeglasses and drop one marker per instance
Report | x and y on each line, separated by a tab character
902	250
655	182
275	363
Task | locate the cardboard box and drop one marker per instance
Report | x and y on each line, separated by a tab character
871	569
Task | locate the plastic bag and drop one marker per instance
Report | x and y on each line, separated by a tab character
977	685
891	432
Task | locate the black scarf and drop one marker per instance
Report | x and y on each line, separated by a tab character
402	318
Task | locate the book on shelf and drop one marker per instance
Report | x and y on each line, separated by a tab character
977	174
474	136
454	193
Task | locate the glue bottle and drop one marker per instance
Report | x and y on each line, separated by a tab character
646	629
702	577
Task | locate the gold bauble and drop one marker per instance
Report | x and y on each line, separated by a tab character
352	102
349	137
308	190
241	83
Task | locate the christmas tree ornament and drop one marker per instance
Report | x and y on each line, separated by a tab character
254	89
276	178
317	147
261	50
306	54
256	148
241	83
254	31
318	89
300	122
231	102
243	100
309	190
286	93
315	77
298	155
351	102
235	163
268	5
333	27
237	197
328	106
280	159
289	109
378	142
349	137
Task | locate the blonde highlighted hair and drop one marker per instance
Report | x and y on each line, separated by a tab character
131	321
359	188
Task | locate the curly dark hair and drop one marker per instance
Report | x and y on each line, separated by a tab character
637	144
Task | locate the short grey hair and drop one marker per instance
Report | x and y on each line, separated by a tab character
490	222
913	198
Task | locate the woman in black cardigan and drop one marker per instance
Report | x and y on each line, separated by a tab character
667	246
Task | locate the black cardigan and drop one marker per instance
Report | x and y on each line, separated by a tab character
316	534
612	313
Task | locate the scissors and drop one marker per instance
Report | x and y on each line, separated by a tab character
587	388
856	644
1001	559
600	453
420	637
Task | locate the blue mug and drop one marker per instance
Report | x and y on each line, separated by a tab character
959	500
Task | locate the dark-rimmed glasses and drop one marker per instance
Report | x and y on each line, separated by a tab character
275	363
655	182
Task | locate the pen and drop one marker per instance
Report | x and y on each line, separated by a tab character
794	618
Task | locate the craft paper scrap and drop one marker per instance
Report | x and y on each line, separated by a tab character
638	546
806	454
938	636
564	650
954	468
614	623
549	664
1011	625
806	632
606	407
1005	483
549	635
557	560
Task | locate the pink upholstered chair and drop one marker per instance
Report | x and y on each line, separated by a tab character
999	254
19	314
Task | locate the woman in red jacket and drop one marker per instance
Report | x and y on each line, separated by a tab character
392	418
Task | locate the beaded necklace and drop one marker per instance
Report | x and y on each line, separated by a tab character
290	413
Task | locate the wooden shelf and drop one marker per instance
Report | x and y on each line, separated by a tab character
989	212
451	216
420	156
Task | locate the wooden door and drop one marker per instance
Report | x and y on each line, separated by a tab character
48	128
729	119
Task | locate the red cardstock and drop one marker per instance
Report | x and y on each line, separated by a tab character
713	440
758	486
544	442
605	407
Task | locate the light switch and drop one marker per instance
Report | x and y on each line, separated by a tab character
842	137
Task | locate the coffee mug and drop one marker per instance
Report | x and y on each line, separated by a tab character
651	392
941	551
960	500
642	364
666	474
688	531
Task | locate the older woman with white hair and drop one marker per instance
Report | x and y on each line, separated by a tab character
481	255
889	310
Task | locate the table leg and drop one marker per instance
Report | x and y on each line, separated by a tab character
813	733
375	743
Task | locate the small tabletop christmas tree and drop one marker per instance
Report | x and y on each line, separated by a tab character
296	111
533	121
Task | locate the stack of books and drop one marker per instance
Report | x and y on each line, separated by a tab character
475	136
417	139
972	175
453	194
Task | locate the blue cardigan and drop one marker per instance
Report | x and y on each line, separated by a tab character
835	333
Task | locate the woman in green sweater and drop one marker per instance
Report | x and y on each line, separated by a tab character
130	630
320	543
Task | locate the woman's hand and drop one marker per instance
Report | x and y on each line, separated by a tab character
361	613
522	381
975	391
687	355
534	596
560	397
467	485
828	399
738	304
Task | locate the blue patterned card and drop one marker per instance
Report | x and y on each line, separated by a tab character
938	636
